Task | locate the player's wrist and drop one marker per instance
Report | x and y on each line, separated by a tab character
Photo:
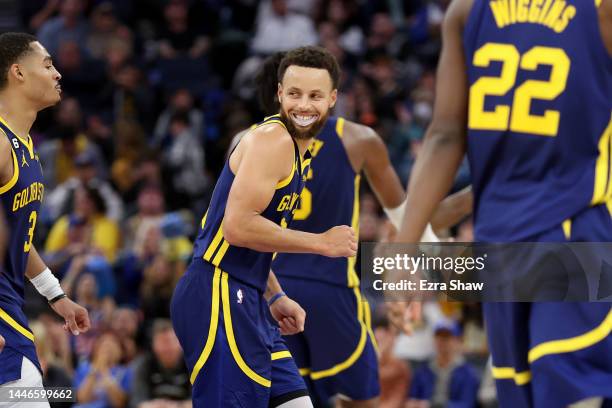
275	297
47	285
396	214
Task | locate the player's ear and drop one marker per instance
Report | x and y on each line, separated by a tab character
333	96
15	71
279	93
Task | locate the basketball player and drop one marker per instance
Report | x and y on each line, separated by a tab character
531	81
29	83
3	243
235	356
336	353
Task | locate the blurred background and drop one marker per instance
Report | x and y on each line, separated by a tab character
153	92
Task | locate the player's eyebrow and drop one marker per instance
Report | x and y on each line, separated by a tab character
293	88
47	59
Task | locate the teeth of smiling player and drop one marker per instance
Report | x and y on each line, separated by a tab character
304	120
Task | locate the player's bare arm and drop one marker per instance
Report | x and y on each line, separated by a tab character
262	159
453	209
3	247
367	151
6	161
605	23
445	140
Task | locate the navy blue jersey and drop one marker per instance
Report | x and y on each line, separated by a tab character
21	198
249	266
330	198
540	98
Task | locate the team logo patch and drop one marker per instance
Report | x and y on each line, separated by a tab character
239	296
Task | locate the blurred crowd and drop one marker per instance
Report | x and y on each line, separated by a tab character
153	92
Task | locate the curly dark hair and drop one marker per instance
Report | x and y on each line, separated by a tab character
12	47
267	80
311	57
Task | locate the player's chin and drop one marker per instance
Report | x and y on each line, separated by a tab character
53	99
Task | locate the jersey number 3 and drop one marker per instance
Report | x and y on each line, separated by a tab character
517	118
28	244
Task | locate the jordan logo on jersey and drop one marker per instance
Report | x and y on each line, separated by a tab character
24	162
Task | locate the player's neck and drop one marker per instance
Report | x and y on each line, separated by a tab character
303	145
17	114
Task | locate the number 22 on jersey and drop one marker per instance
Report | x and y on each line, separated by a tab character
518	117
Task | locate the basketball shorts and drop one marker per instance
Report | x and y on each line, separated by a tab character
552	354
235	357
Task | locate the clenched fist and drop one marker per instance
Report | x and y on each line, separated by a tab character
339	241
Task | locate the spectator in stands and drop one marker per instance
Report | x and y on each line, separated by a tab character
67	141
78	244
129	143
160	377
447	380
85	77
177	36
57	340
124	323
103	381
180	101
86	174
150	211
68	26
36	13
88	210
86	290
156	290
342	14
183	162
393	372
128	96
106	30
54	375
279	29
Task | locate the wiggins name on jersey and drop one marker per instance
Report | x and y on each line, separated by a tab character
540	99
244	264
21	198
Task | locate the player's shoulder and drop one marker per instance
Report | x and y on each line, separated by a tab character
359	132
458	12
272	138
5	146
362	135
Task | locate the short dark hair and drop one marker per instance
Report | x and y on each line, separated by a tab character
12	47
311	57
267	80
162	325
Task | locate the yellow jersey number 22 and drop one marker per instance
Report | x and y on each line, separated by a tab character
517	117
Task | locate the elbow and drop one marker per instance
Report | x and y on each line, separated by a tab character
232	231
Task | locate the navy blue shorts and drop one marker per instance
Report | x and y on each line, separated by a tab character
553	354
235	357
337	350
